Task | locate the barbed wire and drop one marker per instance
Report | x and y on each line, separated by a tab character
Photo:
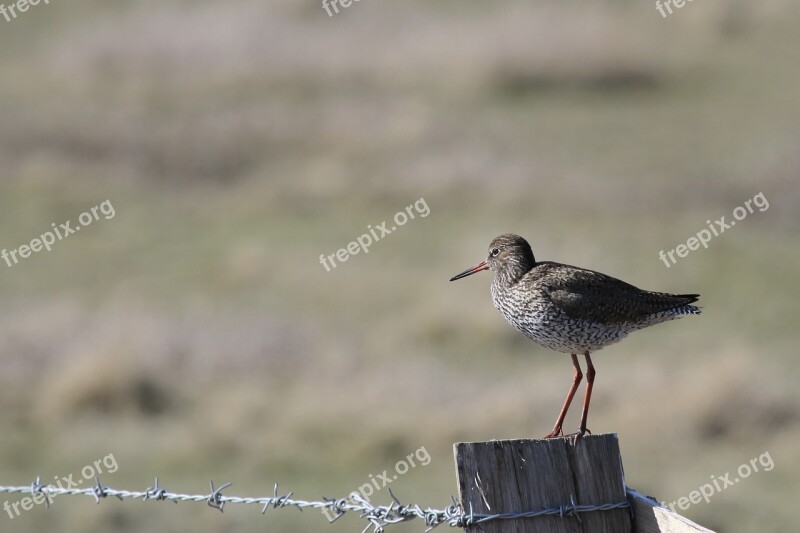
378	516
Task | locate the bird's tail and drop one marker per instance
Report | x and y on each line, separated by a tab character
684	308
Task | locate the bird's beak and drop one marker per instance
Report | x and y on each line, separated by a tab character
483	265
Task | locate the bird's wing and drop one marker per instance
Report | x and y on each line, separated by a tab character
588	295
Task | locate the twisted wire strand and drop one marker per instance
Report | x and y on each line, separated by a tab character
377	516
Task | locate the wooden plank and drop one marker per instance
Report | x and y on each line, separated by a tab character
528	475
599	478
651	517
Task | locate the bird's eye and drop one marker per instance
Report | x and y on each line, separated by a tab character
494	252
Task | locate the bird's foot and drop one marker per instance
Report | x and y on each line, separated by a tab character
577	435
557	432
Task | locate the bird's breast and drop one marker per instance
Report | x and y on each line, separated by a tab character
527	310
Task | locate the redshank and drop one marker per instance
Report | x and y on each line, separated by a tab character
571	309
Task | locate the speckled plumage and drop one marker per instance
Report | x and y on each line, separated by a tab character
571	309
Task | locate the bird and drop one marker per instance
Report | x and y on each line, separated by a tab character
571	309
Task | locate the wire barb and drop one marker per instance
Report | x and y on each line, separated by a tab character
215	498
156	493
38	488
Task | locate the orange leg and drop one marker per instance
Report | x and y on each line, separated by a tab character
590	373
576	379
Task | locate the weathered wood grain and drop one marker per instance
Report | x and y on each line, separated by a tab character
651	517
526	475
514	476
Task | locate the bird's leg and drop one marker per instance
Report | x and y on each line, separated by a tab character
576	379
590	373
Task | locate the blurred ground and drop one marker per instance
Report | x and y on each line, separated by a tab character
195	334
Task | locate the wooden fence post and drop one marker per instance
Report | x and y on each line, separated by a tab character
528	475
516	476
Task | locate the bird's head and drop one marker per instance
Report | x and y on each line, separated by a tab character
507	253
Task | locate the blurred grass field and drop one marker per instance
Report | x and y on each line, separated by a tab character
195	335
